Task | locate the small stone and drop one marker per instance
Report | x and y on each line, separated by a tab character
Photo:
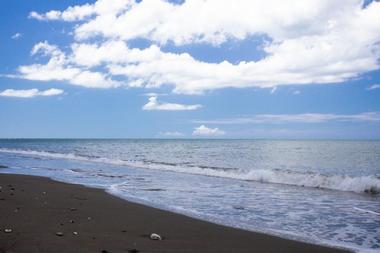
155	237
59	234
75	233
8	230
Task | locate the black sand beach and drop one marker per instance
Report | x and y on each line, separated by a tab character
41	215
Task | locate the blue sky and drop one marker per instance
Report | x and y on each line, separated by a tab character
156	69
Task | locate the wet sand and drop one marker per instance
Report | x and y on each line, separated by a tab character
49	216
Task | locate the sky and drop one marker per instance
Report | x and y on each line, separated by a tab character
190	69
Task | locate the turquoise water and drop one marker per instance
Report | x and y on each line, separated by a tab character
320	191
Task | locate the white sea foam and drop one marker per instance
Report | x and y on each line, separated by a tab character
360	184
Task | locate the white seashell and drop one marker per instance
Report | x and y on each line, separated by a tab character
155	237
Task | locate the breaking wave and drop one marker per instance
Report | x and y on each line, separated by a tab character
362	184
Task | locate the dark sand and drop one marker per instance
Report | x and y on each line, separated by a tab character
37	208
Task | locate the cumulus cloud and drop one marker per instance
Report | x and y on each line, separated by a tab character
309	42
60	68
16	36
153	104
373	87
30	93
296	118
205	131
81	12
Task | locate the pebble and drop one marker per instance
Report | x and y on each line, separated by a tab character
155	237
59	234
75	233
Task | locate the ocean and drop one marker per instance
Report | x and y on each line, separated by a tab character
324	192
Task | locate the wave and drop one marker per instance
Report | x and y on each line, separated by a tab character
360	184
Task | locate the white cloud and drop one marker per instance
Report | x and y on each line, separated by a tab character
321	41
30	93
296	92
60	68
373	87
16	36
80	12
172	134
205	131
153	104
296	118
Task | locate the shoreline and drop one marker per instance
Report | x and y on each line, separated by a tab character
36	208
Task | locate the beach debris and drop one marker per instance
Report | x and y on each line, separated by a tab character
133	251
75	233
155	236
8	230
59	234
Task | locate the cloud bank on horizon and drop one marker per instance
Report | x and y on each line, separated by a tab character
304	42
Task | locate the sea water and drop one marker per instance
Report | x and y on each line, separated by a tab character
324	192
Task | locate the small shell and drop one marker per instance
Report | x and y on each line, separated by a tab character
8	230
155	237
